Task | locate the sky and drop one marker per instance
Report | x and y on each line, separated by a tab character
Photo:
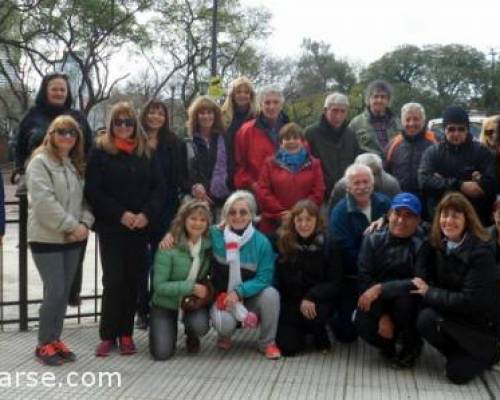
362	31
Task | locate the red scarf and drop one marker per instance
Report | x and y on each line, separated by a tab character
126	145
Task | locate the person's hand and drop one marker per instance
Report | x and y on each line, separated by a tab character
421	286
369	296
167	242
374	226
198	191
141	221
285	216
128	219
15	176
222	224
308	309
231	299
79	234
200	290
471	189
476	176
386	327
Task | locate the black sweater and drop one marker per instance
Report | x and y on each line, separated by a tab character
115	183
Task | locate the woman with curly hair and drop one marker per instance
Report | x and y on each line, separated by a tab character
308	279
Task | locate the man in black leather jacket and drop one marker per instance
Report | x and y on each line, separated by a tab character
386	309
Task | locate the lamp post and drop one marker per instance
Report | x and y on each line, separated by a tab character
213	71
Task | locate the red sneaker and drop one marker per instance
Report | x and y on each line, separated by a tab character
104	348
272	352
47	355
64	352
127	346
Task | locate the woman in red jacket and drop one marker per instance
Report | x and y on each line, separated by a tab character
292	174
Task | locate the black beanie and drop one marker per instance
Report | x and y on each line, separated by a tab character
455	115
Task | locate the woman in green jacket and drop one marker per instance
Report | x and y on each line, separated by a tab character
179	272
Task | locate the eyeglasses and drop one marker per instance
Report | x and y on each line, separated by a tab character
128	122
489	132
242	212
66	132
453	129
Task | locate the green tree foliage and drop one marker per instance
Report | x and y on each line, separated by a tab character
316	73
87	32
181	54
435	75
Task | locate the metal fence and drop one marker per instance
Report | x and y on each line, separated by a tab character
23	301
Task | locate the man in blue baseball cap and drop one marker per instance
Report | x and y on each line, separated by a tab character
386	310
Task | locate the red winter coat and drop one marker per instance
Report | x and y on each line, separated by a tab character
252	146
279	189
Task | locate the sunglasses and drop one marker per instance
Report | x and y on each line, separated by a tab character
489	132
242	212
453	129
127	122
66	132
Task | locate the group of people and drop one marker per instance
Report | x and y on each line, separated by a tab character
370	229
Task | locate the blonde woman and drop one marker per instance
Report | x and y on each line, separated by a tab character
181	273
126	192
489	130
58	225
240	106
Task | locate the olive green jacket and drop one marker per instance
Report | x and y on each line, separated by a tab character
366	135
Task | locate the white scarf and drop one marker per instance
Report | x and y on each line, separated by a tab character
233	244
194	249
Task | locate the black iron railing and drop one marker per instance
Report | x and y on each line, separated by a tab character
23	300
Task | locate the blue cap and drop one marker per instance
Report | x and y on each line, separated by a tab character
407	200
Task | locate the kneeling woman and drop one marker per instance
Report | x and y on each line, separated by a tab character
242	275
307	280
179	273
457	280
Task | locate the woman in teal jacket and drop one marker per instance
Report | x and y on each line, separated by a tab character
179	272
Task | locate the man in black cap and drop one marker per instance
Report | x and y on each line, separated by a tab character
459	164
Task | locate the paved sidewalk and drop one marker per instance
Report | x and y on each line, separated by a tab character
348	372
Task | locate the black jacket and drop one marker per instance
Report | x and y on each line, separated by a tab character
115	183
173	168
462	282
444	167
34	125
390	261
201	161
335	148
309	274
403	158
